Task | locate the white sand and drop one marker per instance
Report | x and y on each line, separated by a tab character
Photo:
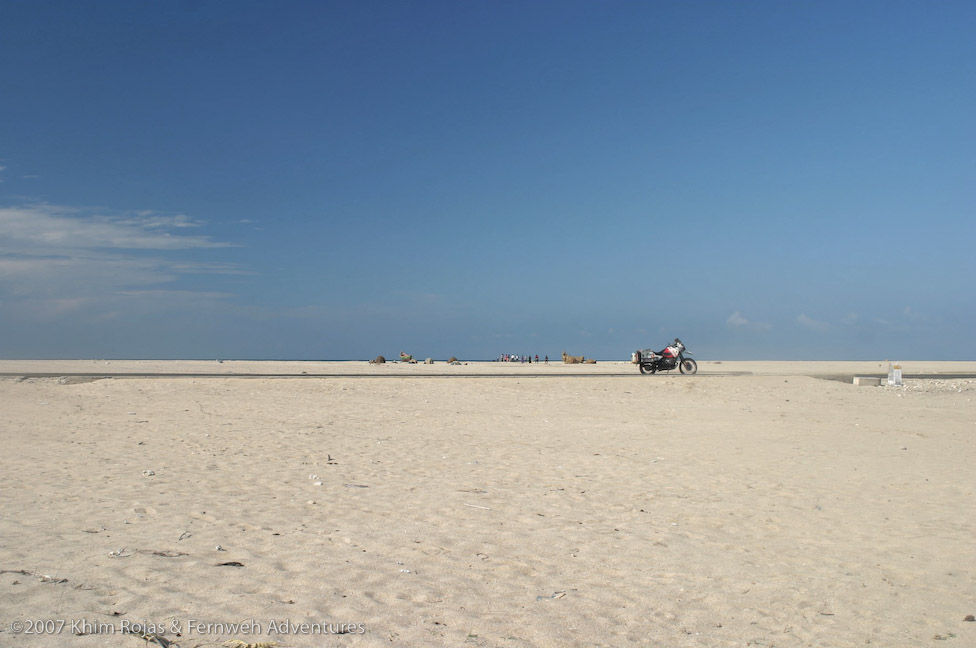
725	509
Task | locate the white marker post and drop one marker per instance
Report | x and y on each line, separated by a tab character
894	375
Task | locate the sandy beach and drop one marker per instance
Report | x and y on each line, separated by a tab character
753	504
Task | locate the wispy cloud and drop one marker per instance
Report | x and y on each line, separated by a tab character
737	320
37	228
906	320
812	324
56	260
913	316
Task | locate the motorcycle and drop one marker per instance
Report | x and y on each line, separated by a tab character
671	357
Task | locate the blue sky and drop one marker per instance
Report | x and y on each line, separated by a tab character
338	180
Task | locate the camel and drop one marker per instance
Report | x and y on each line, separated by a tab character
568	359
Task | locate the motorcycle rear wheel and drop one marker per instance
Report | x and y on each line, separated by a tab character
688	366
647	369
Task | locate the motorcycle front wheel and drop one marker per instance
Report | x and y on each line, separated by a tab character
647	369
688	366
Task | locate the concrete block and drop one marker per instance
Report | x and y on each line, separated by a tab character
867	381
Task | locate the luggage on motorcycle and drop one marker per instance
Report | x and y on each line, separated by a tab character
645	354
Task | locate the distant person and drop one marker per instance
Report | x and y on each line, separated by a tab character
547	359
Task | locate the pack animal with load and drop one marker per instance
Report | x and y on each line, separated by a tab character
568	359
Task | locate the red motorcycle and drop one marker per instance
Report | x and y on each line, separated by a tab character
671	357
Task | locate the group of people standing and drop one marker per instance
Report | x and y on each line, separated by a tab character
515	357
